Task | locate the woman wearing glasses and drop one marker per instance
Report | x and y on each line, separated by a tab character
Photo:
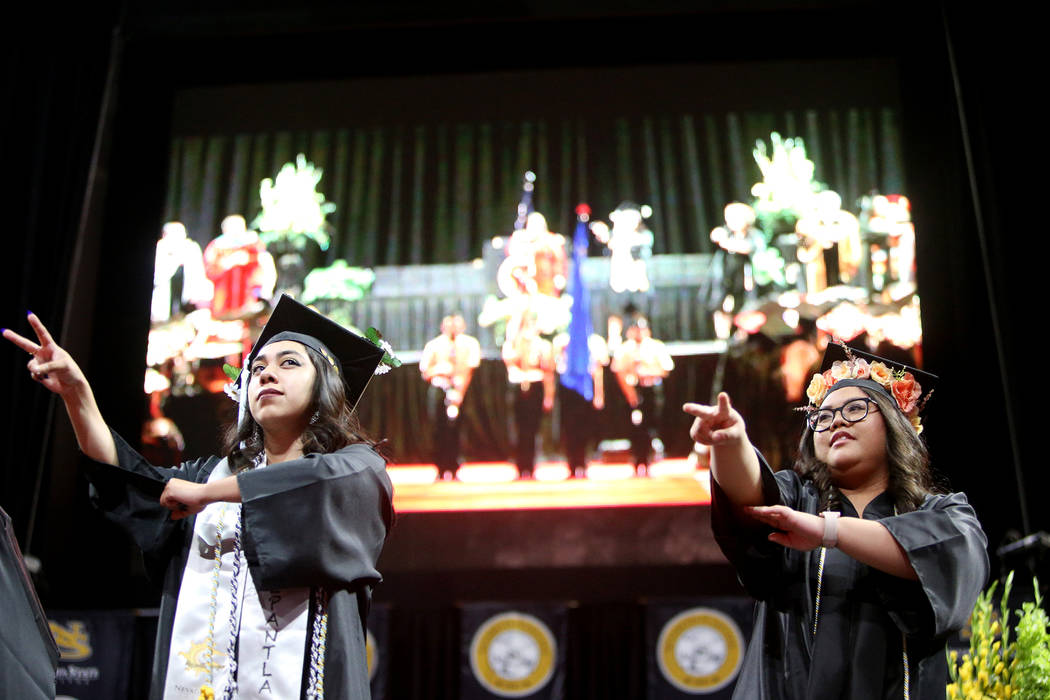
861	566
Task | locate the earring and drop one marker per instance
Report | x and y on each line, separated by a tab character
314	417
254	440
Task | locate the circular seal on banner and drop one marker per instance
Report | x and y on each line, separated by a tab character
370	654
513	654
700	650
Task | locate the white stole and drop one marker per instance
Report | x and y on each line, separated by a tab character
272	625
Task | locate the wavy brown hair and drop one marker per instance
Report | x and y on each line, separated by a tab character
907	458
335	427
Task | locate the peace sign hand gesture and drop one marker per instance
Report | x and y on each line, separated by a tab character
55	369
50	365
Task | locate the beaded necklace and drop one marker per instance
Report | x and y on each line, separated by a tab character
318	645
319	636
207	690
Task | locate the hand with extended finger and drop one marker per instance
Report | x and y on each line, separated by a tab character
716	425
801	531
50	364
183	498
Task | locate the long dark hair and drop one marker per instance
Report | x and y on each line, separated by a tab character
907	459
333	427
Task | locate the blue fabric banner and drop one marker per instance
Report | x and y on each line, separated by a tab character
577	375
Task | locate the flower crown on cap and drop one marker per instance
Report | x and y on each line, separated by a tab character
900	384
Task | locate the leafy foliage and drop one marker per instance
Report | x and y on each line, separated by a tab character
995	667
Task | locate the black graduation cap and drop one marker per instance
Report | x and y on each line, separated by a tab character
354	357
836	352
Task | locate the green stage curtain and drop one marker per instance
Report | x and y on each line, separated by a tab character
435	192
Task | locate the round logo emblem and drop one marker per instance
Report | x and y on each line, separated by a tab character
370	654
700	651
512	654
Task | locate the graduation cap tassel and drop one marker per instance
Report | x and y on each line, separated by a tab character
242	402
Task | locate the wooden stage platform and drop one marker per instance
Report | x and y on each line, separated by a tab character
495	486
610	535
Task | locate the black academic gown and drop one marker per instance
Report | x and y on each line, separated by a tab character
316	521
858	650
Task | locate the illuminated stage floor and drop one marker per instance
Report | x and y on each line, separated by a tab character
493	486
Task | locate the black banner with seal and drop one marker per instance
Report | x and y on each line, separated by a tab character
696	646
513	651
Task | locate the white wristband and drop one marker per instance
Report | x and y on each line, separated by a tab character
831	528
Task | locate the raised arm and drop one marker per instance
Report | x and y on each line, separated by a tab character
734	464
56	370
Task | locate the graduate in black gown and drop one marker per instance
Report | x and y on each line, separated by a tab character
861	567
267	555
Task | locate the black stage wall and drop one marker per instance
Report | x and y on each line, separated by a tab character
978	263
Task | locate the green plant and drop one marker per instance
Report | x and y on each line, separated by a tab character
1031	676
996	667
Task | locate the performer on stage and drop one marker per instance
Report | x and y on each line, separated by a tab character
530	371
630	244
733	275
243	272
447	364
579	415
179	281
267	555
829	243
861	566
640	364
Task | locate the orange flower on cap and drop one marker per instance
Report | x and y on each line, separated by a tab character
907	392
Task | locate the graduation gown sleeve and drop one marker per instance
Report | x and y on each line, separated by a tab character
317	521
761	565
946	546
128	493
322	521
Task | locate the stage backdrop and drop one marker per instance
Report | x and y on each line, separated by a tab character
429	182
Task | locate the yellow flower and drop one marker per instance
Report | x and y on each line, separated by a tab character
953	692
817	388
881	373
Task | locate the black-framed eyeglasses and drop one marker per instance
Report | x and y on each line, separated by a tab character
852	411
